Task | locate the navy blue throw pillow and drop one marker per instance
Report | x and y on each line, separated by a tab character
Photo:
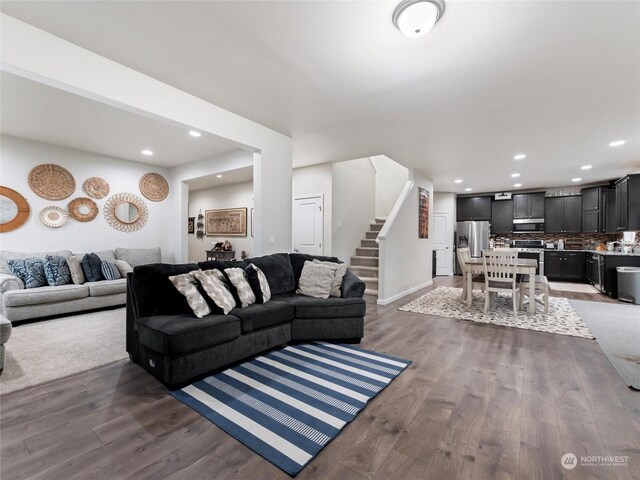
56	270
29	270
92	267
110	271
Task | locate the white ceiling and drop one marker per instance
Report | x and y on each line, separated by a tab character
555	80
239	175
38	112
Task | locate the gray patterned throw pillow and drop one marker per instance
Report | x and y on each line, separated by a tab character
56	270
238	279
341	270
316	279
212	282
29	270
264	284
186	285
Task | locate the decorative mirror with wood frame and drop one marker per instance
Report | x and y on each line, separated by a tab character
126	212
14	209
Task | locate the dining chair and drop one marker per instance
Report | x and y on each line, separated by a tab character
500	268
541	288
464	256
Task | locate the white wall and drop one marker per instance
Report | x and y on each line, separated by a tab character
353	206
226	196
391	177
317	179
445	202
405	259
19	156
28	51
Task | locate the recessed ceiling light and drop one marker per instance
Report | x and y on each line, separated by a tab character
219	176
585	167
415	18
577	179
467	189
517	185
147	152
193	133
617	143
520	156
515	175
457	180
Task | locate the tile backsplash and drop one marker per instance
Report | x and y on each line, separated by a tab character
588	239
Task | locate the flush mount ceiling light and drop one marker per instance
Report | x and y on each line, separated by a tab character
517	185
147	152
193	133
577	179
515	175
467	189
414	18
219	176
520	156
457	180
617	143
585	167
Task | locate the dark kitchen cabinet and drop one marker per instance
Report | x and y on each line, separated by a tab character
591	210
502	216
588	267
528	205
610	274
591	222
608	217
590	199
565	265
622	206
473	208
628	203
563	214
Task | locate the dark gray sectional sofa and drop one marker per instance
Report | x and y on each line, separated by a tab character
170	342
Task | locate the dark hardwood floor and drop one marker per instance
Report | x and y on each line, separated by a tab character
478	402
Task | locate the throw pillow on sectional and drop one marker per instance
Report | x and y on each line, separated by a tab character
258	282
74	262
214	285
56	271
123	267
316	279
341	271
238	278
110	271
92	267
29	270
187	285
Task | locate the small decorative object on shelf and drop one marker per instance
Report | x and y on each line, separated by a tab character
220	255
226	246
200	225
243	255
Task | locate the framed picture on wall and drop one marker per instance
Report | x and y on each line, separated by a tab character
191	225
423	213
228	222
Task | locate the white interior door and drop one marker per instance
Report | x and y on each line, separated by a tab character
308	224
443	243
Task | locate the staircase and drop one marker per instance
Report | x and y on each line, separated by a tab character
365	262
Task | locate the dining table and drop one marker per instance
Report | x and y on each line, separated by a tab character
524	266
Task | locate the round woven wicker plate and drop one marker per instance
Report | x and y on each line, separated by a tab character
154	187
83	209
96	187
116	200
53	216
51	182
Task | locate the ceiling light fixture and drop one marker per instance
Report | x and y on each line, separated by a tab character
515	175
193	133
585	167
467	189
414	18
517	185
617	143
147	152
457	180
520	156
219	176
577	179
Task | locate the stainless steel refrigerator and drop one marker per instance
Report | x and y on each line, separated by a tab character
475	236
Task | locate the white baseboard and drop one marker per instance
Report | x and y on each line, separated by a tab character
387	301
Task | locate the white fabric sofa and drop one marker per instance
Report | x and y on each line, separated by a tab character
20	303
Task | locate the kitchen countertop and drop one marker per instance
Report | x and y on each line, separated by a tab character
586	250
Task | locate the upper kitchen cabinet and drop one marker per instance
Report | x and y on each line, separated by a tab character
528	205
563	214
591	210
473	208
608	215
502	216
628	203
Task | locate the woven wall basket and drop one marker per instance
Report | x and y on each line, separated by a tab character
51	182
83	209
115	200
96	187
53	217
154	187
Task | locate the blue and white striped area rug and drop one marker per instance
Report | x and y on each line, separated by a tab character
289	404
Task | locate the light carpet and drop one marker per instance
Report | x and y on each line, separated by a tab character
617	330
289	404
445	302
42	351
573	287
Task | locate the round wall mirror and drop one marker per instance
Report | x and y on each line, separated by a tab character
14	209
127	212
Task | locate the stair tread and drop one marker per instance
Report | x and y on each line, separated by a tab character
371	291
363	267
368	248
